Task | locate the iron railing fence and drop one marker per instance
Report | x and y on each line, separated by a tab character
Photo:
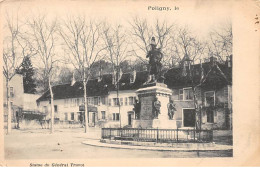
158	135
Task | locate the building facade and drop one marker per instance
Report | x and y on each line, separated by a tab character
16	92
112	107
23	105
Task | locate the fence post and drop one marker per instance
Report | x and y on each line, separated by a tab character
110	133
188	135
177	135
157	136
194	134
138	138
199	134
121	131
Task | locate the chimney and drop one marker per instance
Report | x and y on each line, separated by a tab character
99	74
133	76
73	81
229	59
213	60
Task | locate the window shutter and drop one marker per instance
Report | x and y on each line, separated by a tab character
126	101
215	117
204	118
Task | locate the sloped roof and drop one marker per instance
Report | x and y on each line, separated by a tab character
214	76
218	74
95	87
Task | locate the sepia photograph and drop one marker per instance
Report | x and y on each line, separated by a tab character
116	79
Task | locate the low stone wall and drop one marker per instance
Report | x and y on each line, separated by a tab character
154	144
34	124
142	123
109	124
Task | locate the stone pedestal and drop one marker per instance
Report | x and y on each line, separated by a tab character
147	96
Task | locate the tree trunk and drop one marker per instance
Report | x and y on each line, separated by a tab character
52	108
9	108
197	114
85	105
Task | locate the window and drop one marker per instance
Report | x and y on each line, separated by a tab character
73	102
116	101
45	109
187	93
109	102
103	100
226	98
209	98
103	113
66	102
55	108
121	101
181	94
11	92
66	116
116	116
131	100
226	93
72	115
95	100
77	101
89	101
99	100
92	100
82	101
210	115
126	101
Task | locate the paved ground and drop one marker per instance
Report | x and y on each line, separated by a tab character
67	144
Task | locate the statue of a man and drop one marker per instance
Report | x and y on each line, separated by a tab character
157	107
155	56
137	109
171	109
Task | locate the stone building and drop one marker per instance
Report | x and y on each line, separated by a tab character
16	92
213	89
22	104
213	83
104	109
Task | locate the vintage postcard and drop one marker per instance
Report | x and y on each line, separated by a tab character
129	83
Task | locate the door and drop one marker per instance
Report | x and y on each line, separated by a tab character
189	117
93	118
129	119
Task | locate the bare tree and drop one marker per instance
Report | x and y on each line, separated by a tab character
12	59
187	49
221	42
41	34
185	44
116	43
81	44
142	33
16	48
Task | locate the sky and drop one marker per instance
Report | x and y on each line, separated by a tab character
200	16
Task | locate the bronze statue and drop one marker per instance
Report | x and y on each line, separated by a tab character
157	107
171	109
155	56
137	109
